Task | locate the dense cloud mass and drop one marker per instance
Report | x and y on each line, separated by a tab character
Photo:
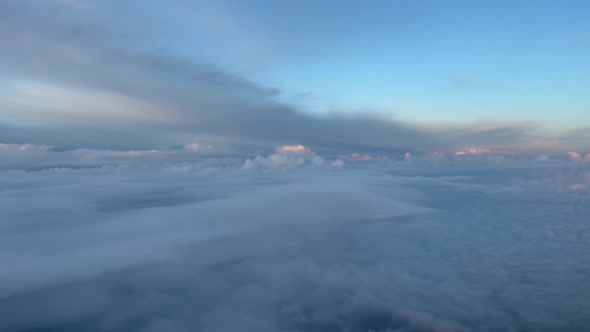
425	244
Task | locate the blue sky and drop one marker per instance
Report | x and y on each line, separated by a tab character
515	66
419	60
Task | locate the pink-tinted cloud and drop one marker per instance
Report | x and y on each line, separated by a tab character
296	149
574	155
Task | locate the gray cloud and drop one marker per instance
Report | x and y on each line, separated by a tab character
577	138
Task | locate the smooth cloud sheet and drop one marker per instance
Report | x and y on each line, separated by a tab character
409	245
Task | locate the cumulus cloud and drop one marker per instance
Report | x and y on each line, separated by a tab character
278	160
337	163
296	149
574	156
290	157
289	160
578	156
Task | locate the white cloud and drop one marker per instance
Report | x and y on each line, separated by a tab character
277	160
337	163
362	157
473	151
196	147
289	157
296	149
317	161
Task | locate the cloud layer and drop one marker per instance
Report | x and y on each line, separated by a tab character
425	244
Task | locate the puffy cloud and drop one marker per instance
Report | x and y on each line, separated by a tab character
579	157
290	157
317	161
574	156
288	160
277	160
296	149
337	163
361	157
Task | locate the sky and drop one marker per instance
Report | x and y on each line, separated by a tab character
341	77
418	60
